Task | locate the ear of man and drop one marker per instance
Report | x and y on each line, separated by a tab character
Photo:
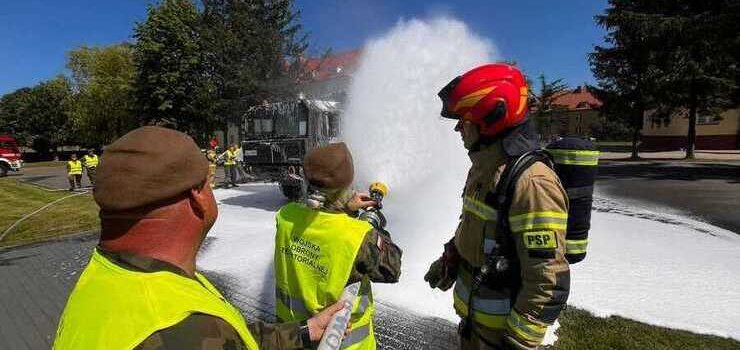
200	198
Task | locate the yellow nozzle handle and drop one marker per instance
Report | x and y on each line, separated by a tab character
379	187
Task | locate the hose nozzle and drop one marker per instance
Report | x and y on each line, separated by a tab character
378	191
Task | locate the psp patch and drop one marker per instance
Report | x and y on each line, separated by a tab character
540	240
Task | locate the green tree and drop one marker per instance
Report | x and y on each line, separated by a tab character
104	103
247	47
700	54
626	69
542	103
43	119
168	58
13	107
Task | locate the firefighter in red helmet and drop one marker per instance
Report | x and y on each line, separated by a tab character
507	260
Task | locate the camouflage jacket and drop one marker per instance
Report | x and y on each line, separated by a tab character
206	332
517	307
378	258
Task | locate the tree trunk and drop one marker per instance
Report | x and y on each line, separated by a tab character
691	141
636	127
635	140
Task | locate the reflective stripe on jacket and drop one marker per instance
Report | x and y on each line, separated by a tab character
537	218
315	252
91	161
74	167
115	308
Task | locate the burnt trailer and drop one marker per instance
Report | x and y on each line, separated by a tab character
278	135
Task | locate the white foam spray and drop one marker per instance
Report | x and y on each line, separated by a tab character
396	135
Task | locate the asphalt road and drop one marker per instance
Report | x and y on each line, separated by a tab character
709	192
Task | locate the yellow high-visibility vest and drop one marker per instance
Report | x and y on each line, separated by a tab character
230	158
74	167
115	308
315	252
91	161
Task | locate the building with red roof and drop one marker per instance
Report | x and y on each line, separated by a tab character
574	113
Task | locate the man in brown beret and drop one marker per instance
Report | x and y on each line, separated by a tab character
321	246
140	289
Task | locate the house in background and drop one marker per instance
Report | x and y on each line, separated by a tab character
712	132
575	113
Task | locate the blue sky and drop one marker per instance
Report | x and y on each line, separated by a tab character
551	37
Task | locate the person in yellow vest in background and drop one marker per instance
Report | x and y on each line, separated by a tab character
74	172
211	156
230	166
320	247
91	165
141	289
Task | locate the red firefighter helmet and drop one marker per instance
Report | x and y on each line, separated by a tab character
492	96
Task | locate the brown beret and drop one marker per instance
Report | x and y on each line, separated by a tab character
329	166
148	165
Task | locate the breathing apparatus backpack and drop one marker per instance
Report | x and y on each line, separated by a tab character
574	160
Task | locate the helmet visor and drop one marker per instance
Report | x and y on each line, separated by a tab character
444	95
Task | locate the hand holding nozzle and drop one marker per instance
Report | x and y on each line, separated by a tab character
372	213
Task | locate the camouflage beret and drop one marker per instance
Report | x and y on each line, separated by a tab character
329	166
148	165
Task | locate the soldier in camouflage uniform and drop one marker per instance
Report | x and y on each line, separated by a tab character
525	280
140	289
321	247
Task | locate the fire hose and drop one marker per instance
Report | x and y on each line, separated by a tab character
46	206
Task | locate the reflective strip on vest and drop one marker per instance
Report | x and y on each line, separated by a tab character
524	329
575	157
479	209
75	167
576	246
356	336
552	220
295	305
91	162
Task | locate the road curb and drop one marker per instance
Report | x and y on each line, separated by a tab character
82	236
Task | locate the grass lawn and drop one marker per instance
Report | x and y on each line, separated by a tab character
69	216
580	330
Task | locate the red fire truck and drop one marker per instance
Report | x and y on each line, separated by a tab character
10	155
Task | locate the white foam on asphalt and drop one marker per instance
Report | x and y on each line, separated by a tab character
660	273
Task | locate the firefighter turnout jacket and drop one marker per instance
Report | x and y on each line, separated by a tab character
514	307
315	254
